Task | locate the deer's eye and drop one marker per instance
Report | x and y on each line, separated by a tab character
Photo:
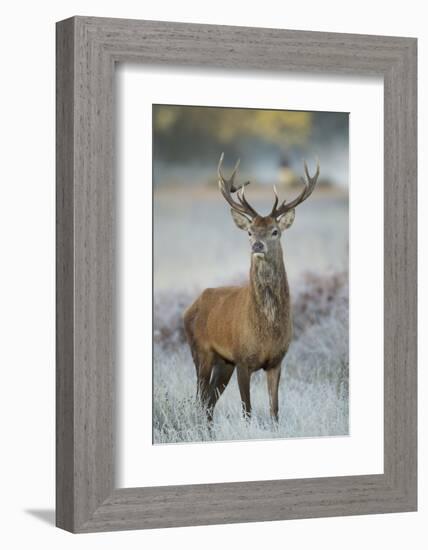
274	232
249	233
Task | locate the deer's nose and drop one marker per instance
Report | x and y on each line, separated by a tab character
258	246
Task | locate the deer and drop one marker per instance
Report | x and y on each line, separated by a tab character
246	327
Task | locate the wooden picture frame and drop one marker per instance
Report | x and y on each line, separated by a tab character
87	50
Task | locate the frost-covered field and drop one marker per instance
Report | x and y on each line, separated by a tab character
196	246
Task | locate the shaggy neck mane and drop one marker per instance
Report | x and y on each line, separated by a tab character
269	287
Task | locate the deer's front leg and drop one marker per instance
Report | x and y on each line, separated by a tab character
244	376
273	375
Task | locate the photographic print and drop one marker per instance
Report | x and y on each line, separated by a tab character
155	313
250	274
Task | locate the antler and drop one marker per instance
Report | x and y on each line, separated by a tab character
309	186
227	187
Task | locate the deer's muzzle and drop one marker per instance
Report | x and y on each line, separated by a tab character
258	248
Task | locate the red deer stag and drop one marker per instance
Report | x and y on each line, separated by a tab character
247	327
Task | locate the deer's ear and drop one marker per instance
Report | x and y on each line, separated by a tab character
286	220
240	220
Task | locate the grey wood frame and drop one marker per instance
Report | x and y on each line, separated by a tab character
87	50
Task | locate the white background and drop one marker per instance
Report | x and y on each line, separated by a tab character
27	273
362	451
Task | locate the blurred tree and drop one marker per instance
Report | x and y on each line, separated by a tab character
185	130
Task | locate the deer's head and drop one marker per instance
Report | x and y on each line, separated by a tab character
264	232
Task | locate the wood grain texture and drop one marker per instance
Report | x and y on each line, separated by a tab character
87	50
64	278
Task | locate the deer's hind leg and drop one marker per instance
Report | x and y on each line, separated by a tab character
204	363
220	377
202	358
